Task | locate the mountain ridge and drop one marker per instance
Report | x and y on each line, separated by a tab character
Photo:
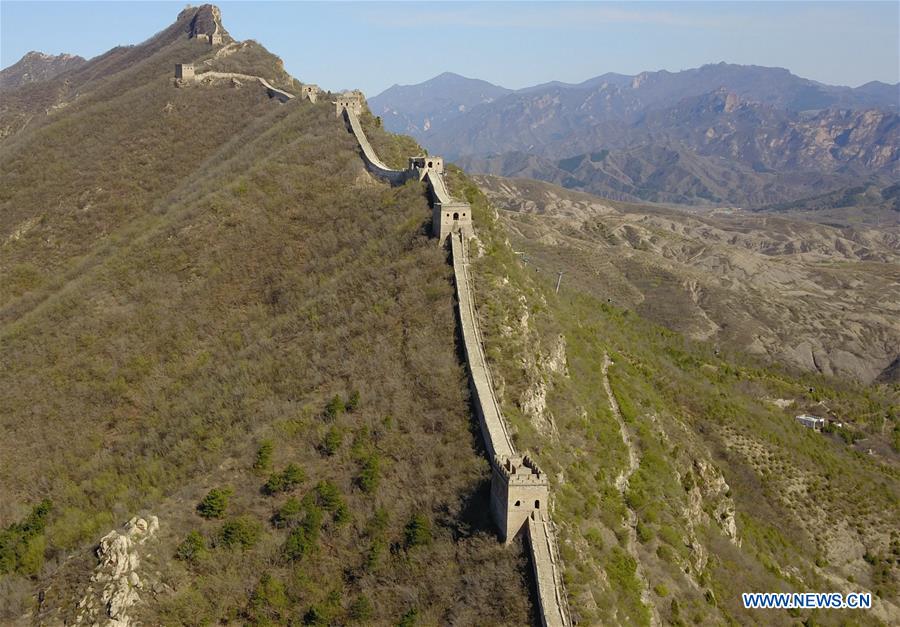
710	135
37	66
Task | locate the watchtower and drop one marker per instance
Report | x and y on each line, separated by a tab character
424	165
184	71
310	92
449	217
519	491
350	100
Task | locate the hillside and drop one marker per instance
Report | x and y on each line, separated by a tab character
721	134
681	475
203	293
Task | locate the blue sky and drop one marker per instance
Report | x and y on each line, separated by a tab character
372	45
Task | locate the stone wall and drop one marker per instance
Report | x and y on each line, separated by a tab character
375	165
182	74
493	428
547	568
520	492
448	214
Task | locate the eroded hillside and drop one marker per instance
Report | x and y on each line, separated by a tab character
817	297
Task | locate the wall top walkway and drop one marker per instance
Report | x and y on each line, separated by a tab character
273	91
367	149
439	189
547	571
493	426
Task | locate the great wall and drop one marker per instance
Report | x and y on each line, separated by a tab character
520	491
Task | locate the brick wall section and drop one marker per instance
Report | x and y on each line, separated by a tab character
493	428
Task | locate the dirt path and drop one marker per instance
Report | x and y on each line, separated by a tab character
622	486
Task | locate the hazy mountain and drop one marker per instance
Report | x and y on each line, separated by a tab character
37	66
725	134
714	148
415	109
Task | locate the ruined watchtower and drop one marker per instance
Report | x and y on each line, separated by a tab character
184	71
350	100
309	92
519	491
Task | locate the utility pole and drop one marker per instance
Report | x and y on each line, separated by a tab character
558	280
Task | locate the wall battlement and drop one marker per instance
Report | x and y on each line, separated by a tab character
521	470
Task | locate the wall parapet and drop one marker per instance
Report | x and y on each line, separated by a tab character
186	72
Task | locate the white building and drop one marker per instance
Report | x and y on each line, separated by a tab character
813	422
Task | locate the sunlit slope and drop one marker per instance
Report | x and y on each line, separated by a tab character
118	139
714	489
229	312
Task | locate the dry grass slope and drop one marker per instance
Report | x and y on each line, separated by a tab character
196	277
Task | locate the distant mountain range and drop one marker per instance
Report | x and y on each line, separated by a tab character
720	134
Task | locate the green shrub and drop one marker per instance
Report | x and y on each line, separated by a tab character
333	439
243	532
191	548
341	514
335	407
285	481
409	619
22	544
417	531
353	401
369	474
328	496
315	616
287	514
361	609
303	539
269	601
214	503
594	538
263	459
644	533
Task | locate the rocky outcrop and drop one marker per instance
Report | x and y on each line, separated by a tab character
708	491
115	584
205	22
